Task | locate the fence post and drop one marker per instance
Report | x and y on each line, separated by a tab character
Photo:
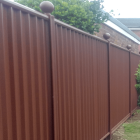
47	7
107	36
129	48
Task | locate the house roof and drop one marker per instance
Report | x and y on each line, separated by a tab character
130	22
123	27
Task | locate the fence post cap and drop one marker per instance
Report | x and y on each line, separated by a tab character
106	36
128	47
46	6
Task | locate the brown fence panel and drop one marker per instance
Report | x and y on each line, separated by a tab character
135	59
102	89
119	85
82	69
25	82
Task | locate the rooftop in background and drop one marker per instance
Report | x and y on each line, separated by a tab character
130	22
122	28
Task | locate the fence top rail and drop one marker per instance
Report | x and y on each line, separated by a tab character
114	45
43	16
119	47
24	8
78	30
38	14
135	54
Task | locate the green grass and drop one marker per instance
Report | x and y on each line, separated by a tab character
138	111
132	130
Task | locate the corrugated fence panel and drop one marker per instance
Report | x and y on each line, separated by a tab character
83	95
25	77
102	88
135	60
119	84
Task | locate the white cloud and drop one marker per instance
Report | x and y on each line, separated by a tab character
126	8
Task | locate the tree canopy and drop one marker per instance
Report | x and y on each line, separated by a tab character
82	14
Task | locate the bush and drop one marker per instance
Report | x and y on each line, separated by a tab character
138	79
84	15
138	83
139	101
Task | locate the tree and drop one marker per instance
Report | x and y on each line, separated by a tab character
84	15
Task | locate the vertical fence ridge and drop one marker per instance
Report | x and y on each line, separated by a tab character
55	78
44	83
95	91
33	90
16	73
6	73
2	129
11	73
109	81
69	88
19	35
24	45
130	103
39	66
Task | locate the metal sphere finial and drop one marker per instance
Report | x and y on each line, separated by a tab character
106	36
46	6
128	47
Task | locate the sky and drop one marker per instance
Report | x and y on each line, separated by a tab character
126	8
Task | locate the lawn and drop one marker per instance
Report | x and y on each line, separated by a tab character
132	127
130	130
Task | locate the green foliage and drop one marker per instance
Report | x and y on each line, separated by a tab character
34	4
99	16
139	101
138	79
138	111
82	14
138	74
74	15
138	83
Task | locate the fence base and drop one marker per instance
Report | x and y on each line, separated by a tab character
109	135
134	110
104	138
120	123
108	138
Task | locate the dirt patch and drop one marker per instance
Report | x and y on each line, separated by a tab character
120	134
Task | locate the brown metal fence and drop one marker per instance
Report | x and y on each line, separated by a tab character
119	84
25	76
58	82
82	85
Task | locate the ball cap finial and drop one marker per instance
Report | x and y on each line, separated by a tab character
106	36
46	6
128	47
